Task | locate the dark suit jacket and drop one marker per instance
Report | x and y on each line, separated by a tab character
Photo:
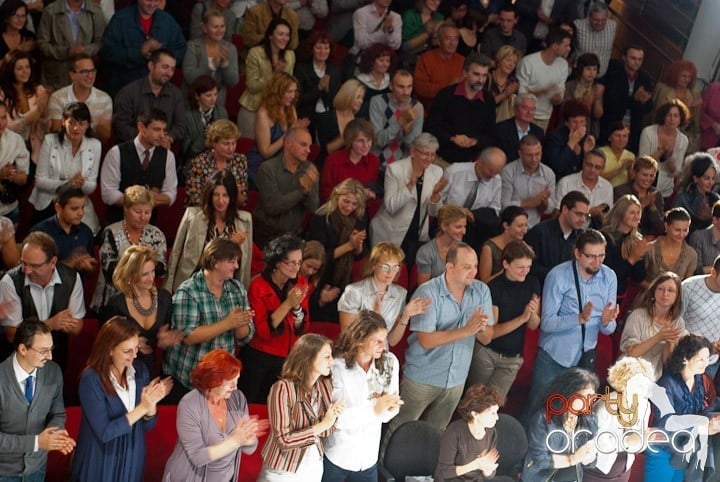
527	10
506	138
19	425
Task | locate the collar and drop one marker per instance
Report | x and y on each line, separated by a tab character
129	375
461	91
631	76
348	162
69	10
20	374
54	280
56	222
146	88
140	148
520	130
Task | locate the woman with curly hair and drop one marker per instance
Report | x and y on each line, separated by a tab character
279	298
365	377
585	88
373	72
274	117
679	81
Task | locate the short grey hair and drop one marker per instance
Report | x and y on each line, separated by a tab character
521	97
597	7
425	141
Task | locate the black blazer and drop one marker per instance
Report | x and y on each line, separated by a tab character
506	138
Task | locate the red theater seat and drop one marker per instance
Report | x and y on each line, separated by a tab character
327	328
169	217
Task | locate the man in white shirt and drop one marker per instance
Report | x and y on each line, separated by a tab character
589	182
375	23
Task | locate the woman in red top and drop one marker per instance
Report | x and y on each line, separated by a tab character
279	297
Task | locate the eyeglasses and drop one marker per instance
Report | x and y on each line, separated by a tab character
86	71
389	267
595	257
580	214
44	351
292	264
34	267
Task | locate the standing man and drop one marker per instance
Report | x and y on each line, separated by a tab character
544	73
578	304
376	23
441	344
701	305
528	183
397	118
508	133
505	33
628	95
440	67
288	186
463	114
153	91
596	34
589	182
32	412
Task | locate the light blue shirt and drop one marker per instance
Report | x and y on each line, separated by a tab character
560	332
73	19
444	366
461	181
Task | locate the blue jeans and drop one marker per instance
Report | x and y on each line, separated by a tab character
544	371
38	476
333	473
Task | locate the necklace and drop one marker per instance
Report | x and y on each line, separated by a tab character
141	309
127	234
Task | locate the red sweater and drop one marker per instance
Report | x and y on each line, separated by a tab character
338	167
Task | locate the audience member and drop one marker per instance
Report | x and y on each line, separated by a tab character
505	33
214	426
119	404
513	220
372	72
537	17
72	156
654	327
332	123
516	305
452	224
134	228
341	226
378	292
273	55
397	118
340	28
589	182
294	449
543	74
412	194
14	167
627	96
26	100
212	54
420	28
81	89
211	310
68	28
578	303
471	26
696	193
14	23
220	153
258	18
203	110
140	301
710	117
30	433
664	142
567	146
312	269
528	183
41	287
308	14
376	23
671	252
585	88
288	186
226	10
706	242
441	344
365	377
123	167
9	252
508	133
131	37
618	160
679	81
644	170
439	67
74	239
503	83
701	303
154	91
460	141
217	216
596	34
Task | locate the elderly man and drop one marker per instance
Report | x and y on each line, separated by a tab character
508	133
589	182
596	34
440	67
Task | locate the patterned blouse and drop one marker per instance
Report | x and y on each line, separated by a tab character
202	167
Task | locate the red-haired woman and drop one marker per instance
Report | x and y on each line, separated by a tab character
119	403
213	424
679	82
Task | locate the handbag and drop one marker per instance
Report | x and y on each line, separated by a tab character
589	357
567	474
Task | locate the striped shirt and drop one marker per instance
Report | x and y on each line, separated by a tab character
599	43
99	104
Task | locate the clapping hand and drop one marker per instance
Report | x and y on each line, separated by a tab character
167	337
609	313
389	402
477	322
486	462
416	306
586	313
248	429
54	438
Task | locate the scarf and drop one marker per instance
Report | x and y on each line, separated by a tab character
342	266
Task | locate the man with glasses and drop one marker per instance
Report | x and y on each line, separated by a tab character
32	412
82	89
578	303
589	182
45	289
211	310
553	240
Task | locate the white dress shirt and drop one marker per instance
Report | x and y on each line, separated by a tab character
126	395
461	181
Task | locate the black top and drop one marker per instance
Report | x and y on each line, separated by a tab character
80	239
309	92
511	297
558	155
505	137
551	247
615	261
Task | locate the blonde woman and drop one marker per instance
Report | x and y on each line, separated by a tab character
503	83
332	123
452	223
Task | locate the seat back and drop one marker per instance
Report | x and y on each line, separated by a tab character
512	445
413	450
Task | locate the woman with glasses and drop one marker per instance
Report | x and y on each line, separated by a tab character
513	220
696	194
72	156
341	226
279	298
378	292
671	252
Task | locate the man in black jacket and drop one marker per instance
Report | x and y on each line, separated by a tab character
508	133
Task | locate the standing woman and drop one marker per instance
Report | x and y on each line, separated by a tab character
26	100
212	55
513	220
696	191
279	298
679	81
203	110
419	28
341	226
218	217
670	251
213	424
302	413
14	168
119	403
452	224
72	156
618	160
272	55
332	123
503	83
365	377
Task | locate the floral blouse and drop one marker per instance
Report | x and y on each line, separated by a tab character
202	167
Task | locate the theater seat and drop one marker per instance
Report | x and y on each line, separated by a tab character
250	465
169	217
58	465
244	144
79	352
327	328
